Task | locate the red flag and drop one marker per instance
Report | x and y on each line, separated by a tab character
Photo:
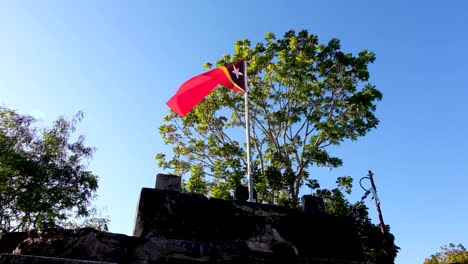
194	90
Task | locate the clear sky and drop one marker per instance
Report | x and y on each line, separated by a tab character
120	62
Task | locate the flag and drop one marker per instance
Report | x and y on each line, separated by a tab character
232	76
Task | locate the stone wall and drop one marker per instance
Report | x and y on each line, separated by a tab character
173	215
92	246
175	227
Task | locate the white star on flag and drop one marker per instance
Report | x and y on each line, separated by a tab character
236	71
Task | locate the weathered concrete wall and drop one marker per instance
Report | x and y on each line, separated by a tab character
23	259
173	215
175	227
83	244
91	245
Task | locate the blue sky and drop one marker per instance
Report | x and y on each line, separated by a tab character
120	62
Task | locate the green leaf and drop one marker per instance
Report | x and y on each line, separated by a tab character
304	97
43	176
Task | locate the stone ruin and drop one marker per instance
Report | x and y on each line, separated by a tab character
177	227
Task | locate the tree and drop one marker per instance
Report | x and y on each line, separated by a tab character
451	254
43	176
95	219
304	97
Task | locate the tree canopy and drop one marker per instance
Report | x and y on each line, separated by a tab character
43	172
451	254
304	97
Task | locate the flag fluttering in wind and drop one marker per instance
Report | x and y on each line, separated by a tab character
232	76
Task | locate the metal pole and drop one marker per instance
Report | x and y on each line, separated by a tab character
247	136
377	203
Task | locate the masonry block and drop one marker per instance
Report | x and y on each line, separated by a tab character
168	182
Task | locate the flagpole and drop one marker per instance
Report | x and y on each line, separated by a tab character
247	136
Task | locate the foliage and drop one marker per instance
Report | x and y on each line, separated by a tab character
43	176
94	219
375	247
304	97
449	254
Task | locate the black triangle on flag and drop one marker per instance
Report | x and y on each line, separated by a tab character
237	73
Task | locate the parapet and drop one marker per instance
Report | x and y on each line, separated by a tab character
169	214
177	227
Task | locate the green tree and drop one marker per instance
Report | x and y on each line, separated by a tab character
451	254
304	97
43	176
95	219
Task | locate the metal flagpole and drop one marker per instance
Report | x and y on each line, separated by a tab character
247	135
